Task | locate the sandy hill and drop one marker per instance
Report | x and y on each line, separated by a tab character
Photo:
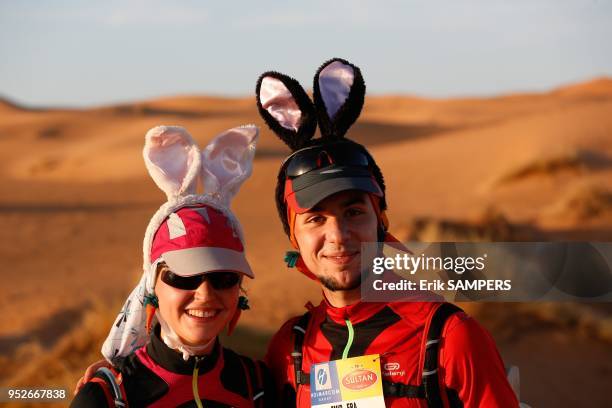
76	197
526	156
597	87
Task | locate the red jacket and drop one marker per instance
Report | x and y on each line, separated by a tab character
471	371
158	376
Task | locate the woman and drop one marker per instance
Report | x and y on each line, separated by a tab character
164	348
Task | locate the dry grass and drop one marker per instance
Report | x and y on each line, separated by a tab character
490	226
64	364
545	164
511	321
581	202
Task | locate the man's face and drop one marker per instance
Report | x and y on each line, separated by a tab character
330	234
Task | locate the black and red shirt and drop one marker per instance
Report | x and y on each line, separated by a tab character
471	372
157	376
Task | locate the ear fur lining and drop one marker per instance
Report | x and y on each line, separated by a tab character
173	160
227	161
278	101
308	122
337	126
335	82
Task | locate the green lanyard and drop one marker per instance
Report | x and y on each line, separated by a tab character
349	342
194	383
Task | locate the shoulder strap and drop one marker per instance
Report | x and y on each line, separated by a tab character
432	347
299	332
254	376
106	389
112	387
259	394
249	373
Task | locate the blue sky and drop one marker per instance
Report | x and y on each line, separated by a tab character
85	53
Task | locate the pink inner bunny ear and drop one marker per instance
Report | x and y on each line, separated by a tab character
335	82
228	160
278	101
173	159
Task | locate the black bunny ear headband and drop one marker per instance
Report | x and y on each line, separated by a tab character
316	170
338	93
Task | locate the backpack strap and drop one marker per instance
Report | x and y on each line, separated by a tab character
110	402
401	390
432	346
112	385
259	393
249	373
299	332
254	375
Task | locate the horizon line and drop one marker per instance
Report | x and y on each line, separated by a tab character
16	103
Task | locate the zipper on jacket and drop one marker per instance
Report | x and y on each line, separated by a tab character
349	342
194	382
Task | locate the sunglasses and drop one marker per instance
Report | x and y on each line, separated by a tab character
316	157
218	280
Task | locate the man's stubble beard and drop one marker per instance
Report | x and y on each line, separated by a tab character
334	285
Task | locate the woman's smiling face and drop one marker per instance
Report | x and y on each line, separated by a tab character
196	316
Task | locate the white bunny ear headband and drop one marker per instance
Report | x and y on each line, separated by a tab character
176	164
338	91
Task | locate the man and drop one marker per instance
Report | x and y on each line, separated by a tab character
331	198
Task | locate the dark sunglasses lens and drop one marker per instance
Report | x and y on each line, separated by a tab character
352	157
223	280
218	280
303	162
181	282
342	155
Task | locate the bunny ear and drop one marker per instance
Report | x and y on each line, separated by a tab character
286	108
173	160
227	161
339	91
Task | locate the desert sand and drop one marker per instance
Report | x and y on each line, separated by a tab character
75	200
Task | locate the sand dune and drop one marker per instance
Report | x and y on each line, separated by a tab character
76	197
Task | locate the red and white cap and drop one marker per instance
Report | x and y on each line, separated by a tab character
200	239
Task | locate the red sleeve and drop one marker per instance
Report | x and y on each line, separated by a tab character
472	366
278	357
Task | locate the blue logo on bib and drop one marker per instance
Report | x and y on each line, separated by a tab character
321	377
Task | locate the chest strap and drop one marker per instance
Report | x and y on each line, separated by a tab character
401	390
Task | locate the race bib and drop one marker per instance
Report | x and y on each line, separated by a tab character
348	383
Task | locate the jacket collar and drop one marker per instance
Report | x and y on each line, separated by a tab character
356	312
172	360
